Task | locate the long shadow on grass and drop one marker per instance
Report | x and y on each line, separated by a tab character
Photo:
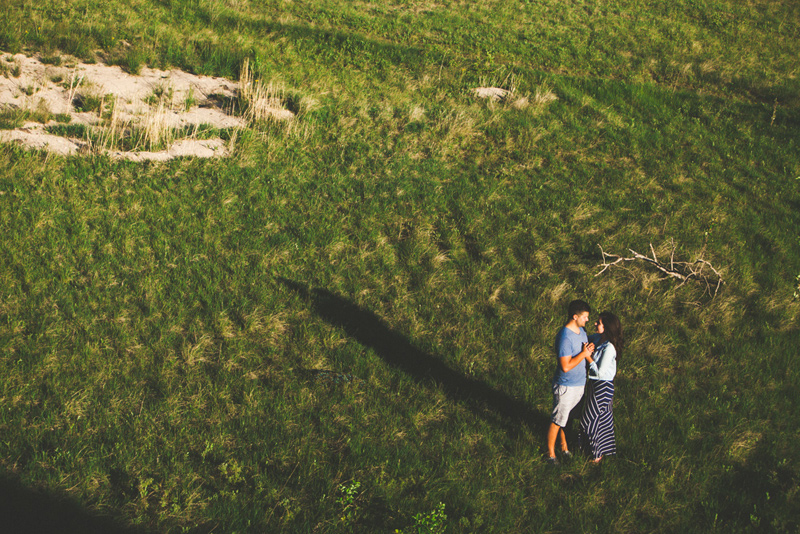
28	511
396	350
757	491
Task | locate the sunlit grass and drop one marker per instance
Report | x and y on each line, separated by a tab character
160	324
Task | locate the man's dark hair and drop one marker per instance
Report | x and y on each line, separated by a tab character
577	307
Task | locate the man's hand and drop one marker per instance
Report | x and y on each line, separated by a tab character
567	363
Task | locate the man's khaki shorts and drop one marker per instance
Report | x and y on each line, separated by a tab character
565	398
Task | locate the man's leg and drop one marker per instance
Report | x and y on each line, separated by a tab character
564	400
552	434
563	440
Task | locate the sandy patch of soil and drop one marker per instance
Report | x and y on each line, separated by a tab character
103	96
35	137
198	148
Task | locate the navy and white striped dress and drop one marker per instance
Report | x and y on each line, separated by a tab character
597	420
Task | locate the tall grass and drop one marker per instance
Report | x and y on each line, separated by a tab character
261	101
164	327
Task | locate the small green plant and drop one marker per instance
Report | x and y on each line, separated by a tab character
347	499
16	71
232	471
189	100
54	60
133	61
68	130
14	118
108	109
209	448
160	94
10	120
433	522
290	509
56	78
42	112
86	102
797	279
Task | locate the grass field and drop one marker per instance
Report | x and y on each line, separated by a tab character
348	326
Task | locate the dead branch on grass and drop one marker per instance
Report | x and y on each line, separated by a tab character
699	270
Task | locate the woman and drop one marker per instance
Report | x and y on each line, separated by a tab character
597	421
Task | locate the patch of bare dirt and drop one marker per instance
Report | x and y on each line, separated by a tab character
101	96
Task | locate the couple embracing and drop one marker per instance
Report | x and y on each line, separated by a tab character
579	356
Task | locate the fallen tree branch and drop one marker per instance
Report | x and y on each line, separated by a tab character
684	271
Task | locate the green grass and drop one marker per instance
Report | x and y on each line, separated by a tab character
14	118
159	323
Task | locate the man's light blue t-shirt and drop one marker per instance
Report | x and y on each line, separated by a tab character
568	343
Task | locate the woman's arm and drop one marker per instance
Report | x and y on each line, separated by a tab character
605	361
594	339
569	362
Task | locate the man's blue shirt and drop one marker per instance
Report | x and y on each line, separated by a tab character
569	344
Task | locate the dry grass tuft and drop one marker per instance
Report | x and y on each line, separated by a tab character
493	94
556	293
308	104
150	129
261	102
744	445
193	354
155	125
521	103
457	125
583	212
708	66
543	96
434	414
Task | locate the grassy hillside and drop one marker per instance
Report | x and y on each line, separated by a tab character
347	326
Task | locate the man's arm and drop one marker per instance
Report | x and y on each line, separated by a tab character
568	363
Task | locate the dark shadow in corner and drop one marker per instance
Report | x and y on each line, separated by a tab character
28	511
395	349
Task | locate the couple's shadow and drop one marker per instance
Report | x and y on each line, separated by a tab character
28	510
397	351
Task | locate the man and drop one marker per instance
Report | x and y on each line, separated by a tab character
572	348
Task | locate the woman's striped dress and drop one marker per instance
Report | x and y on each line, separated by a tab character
597	421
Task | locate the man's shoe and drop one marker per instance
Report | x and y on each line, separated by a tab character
552	461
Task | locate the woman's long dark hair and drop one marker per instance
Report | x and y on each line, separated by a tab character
612	330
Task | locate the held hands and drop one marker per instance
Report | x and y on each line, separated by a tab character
567	362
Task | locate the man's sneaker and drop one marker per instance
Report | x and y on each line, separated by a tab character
552	461
566	456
